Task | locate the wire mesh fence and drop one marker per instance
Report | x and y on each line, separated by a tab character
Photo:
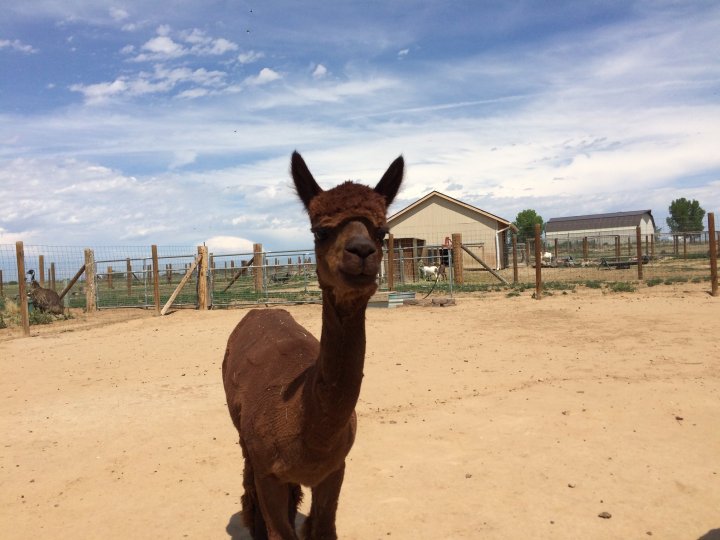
425	270
613	259
124	276
277	277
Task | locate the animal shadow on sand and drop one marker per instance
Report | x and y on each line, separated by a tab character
713	534
237	530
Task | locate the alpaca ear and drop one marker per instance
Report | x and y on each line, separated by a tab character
389	184
305	184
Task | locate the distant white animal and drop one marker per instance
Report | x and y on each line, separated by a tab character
547	257
429	272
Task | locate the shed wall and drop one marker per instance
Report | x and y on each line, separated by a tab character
437	218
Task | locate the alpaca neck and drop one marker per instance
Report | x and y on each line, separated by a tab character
335	387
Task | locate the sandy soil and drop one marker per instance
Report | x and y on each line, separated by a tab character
497	418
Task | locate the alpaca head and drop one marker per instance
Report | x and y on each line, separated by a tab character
349	224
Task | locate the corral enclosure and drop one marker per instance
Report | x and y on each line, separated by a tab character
124	276
501	417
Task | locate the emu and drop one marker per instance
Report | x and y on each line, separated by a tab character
45	300
291	397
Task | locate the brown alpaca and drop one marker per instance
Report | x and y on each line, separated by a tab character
291	397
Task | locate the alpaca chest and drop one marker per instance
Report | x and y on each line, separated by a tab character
296	463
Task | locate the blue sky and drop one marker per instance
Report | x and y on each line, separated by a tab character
133	122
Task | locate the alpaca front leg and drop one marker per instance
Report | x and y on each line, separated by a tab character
274	498
320	525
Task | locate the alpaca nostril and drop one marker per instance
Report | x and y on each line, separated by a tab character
362	247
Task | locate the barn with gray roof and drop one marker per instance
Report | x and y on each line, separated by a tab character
612	224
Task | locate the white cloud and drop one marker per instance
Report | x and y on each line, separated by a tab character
163	47
202	44
265	76
250	57
97	93
162	80
193	42
17	45
403	53
193	93
182	158
319	72
118	14
229	244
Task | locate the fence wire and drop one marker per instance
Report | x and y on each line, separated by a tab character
279	277
124	274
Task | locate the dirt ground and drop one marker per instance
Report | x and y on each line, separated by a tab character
496	418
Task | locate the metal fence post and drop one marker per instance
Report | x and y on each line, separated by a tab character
538	262
713	255
391	262
514	258
638	239
156	279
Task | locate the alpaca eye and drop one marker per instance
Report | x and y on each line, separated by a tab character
380	234
321	233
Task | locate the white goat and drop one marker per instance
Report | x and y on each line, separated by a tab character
429	272
547	258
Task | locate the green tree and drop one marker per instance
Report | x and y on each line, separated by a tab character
685	216
525	222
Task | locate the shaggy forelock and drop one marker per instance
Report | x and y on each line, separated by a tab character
346	201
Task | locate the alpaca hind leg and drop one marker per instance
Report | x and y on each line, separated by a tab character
251	512
294	500
275	499
320	524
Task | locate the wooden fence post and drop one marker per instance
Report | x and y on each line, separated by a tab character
585	249
258	267
391	262
41	270
1	283
527	252
514	256
52	276
638	240
457	255
556	249
713	255
617	247
156	278
202	277
110	277
22	293
538	262
90	303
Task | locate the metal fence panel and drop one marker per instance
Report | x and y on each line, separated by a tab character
280	277
124	276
